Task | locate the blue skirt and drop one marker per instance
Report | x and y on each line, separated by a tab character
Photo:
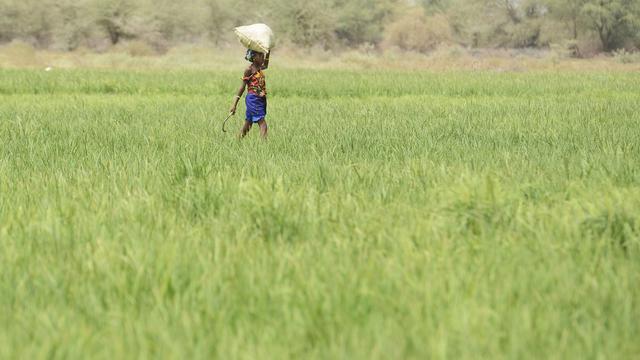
256	107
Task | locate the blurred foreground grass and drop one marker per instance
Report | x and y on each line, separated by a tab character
389	215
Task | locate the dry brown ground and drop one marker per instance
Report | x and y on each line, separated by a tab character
138	56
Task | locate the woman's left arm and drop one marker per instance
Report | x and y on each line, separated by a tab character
266	60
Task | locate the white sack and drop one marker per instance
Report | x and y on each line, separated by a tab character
257	37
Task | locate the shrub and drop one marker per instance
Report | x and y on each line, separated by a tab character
138	48
627	57
20	53
416	31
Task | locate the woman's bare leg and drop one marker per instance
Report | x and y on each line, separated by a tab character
245	129
263	128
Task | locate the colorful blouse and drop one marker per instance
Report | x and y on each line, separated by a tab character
256	84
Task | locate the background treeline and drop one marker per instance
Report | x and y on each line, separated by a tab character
582	27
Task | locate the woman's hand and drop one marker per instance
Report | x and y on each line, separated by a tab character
232	111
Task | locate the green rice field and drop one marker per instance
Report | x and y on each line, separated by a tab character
390	215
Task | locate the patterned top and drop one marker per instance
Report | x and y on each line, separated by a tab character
256	84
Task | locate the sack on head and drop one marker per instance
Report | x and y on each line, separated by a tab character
257	37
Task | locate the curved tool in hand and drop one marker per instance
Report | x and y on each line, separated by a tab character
225	122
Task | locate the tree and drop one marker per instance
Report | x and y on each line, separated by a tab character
307	23
27	20
568	12
73	23
436	5
361	21
114	17
219	18
504	23
614	21
177	21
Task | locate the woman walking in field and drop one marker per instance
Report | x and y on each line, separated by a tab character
256	99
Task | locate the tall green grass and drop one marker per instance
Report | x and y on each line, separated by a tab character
389	215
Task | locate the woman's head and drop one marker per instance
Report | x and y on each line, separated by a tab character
255	57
